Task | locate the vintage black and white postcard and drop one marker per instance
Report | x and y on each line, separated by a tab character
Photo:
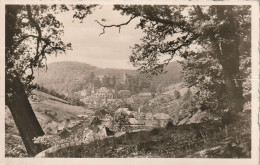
129	80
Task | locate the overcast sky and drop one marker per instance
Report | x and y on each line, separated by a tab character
110	50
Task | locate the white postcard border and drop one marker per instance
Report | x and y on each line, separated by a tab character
131	161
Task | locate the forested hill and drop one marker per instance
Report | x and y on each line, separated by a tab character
172	76
72	76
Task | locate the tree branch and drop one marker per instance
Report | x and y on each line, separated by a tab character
114	25
36	25
21	40
199	12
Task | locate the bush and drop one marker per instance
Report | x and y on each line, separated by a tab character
177	94
155	131
169	125
187	94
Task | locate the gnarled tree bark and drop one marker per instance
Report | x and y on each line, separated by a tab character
18	103
24	117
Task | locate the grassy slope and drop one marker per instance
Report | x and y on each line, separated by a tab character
196	140
46	102
14	145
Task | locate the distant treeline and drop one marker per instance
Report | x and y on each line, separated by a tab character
133	83
70	77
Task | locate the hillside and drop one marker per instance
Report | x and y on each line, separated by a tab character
68	77
48	103
203	140
47	108
172	76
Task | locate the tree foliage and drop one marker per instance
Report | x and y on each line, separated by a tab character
32	33
170	30
215	40
36	34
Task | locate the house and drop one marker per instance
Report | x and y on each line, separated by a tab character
94	132
83	93
141	122
120	103
161	116
124	93
63	125
163	123
101	113
100	77
132	121
102	133
88	135
105	93
149	123
124	111
51	128
94	121
140	109
145	95
139	116
107	117
149	116
123	79
83	116
107	123
72	123
129	101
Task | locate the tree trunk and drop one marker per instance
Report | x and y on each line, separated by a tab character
234	93
227	50
18	103
24	117
232	79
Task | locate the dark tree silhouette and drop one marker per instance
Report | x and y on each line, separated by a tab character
32	33
225	31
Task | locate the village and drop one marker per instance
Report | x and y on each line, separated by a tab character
120	80
115	112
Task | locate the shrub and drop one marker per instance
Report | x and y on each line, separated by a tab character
177	94
187	94
169	125
155	131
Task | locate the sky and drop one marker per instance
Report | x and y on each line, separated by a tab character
109	50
